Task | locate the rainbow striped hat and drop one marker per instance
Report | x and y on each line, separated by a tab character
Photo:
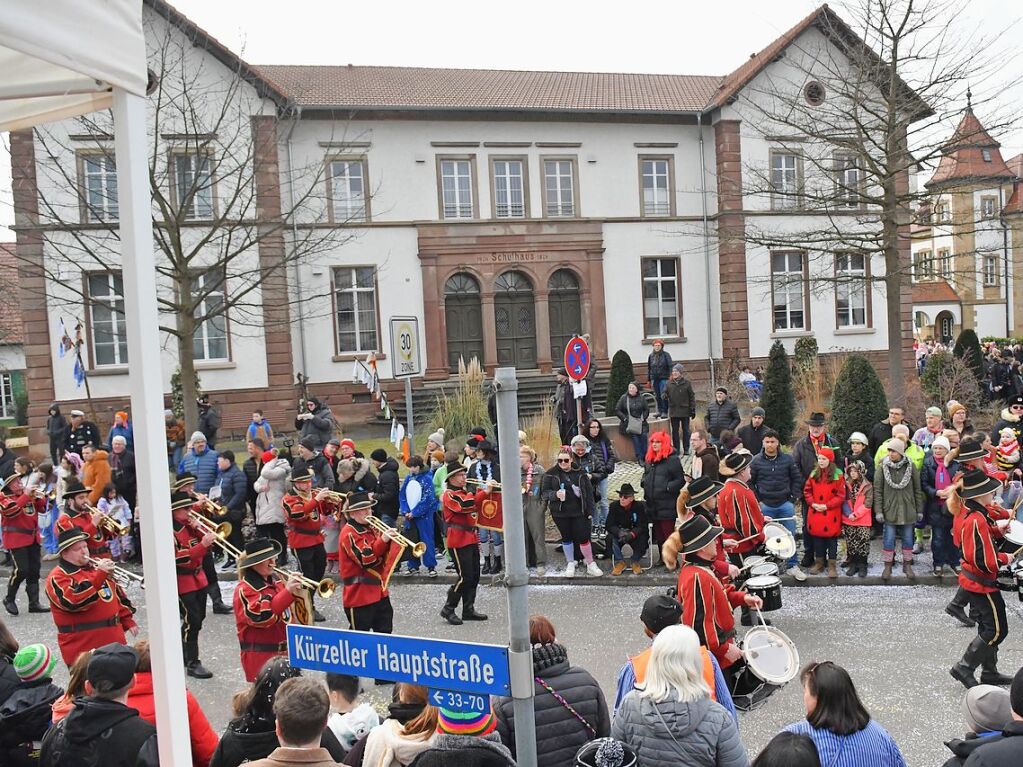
34	662
466	722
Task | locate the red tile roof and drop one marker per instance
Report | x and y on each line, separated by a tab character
11	328
1015	164
936	292
962	160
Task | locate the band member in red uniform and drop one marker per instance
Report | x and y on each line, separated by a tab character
262	603
302	513
185	483
20	512
89	607
978	576
190	546
459	506
706	604
699	497
367	559
76	513
739	514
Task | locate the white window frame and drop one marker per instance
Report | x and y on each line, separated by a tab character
202	205
215	327
992	268
943	263
348	199
988	206
923	266
456	201
8	407
359	313
786	180
102	206
554	202
503	182
942	213
112	302
655	310
656	197
851	285
848	181
790	284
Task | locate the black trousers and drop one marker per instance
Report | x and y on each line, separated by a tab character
210	568
56	451
574	530
567	430
236	517
312	561
26	569
677	425
989	612
275	531
378	617
467	567
192	609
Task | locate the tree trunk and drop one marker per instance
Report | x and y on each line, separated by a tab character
186	364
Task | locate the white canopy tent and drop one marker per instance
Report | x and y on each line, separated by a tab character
60	59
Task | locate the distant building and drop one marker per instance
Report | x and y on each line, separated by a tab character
12	352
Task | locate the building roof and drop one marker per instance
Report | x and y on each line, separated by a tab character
934	292
1015	165
11	328
970	156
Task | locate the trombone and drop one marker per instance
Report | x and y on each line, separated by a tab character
222	529
108	523
215	509
121	576
418	549
324	588
470	481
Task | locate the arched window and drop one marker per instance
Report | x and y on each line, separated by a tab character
515	320
564	311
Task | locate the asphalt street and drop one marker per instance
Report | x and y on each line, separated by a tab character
896	642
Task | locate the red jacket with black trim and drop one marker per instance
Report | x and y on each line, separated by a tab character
303	518
981	559
88	608
188	555
366	562
99	540
739	512
261	616
707	607
21	520
460	517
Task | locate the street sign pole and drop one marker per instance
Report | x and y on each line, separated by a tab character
406	361
577	366
520	657
409	415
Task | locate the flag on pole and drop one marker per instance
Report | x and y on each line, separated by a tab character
79	372
405	450
399	435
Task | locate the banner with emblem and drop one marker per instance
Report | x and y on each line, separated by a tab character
490	512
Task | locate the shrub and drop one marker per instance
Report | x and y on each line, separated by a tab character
947	377
466	407
858	399
967	348
806	353
618	381
778	399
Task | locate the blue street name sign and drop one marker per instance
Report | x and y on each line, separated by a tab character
463	666
454	700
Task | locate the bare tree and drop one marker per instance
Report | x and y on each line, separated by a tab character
215	204
861	106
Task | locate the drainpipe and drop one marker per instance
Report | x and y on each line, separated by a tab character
1005	264
296	273
706	254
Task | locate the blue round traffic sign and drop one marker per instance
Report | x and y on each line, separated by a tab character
577	358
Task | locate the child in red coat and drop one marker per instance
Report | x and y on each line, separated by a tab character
825	493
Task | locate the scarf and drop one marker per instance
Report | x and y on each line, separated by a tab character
886	467
941	480
479	471
818	442
527	487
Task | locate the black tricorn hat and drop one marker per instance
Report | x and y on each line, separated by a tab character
259	550
734	463
454	467
182	479
358	501
697	532
702	489
70	537
181	501
75	487
976	483
301	473
970	450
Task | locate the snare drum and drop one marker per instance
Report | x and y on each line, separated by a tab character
768	588
779	541
770	655
748	563
764	568
1012	541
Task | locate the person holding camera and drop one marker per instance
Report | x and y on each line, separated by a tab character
315	420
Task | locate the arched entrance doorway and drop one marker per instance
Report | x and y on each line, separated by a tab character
944	327
515	320
564	311
463	315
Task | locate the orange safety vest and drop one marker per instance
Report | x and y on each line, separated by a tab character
639	664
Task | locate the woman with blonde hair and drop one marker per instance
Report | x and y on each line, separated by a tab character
533	508
392	744
673	720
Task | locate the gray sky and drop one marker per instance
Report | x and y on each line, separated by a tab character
677	38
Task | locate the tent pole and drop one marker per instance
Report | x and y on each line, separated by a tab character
146	384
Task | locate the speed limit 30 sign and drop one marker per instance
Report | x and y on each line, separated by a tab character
405	351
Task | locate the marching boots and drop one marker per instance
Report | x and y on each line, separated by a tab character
989	669
193	666
448	612
498	565
957	608
33	599
469	607
486	566
963	670
219	608
818	566
832	569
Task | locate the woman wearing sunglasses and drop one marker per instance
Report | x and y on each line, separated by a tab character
569	493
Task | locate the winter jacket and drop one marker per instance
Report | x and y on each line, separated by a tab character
25	718
864	458
386	493
860	504
752	439
805	455
237	747
96	474
962	748
204	739
698	734
209	423
680	397
898	507
634	406
628	525
428	503
251	469
122	474
662	482
827	489
9	679
775	480
658	365
323	474
935	511
100	732
1011	421
320	427
203	466
604	450
122	431
709	463
465	751
554	479
721	416
558	733
880	433
261	430
402	713
363	480
592	464
57	426
271	487
1007	751
386	746
233	489
86	433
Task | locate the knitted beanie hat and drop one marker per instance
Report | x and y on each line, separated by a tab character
34	662
466	722
437	437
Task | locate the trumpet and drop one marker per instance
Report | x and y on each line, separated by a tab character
124	578
418	549
324	588
332	496
470	481
40	492
222	529
108	523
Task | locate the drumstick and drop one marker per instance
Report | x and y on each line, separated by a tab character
779	519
